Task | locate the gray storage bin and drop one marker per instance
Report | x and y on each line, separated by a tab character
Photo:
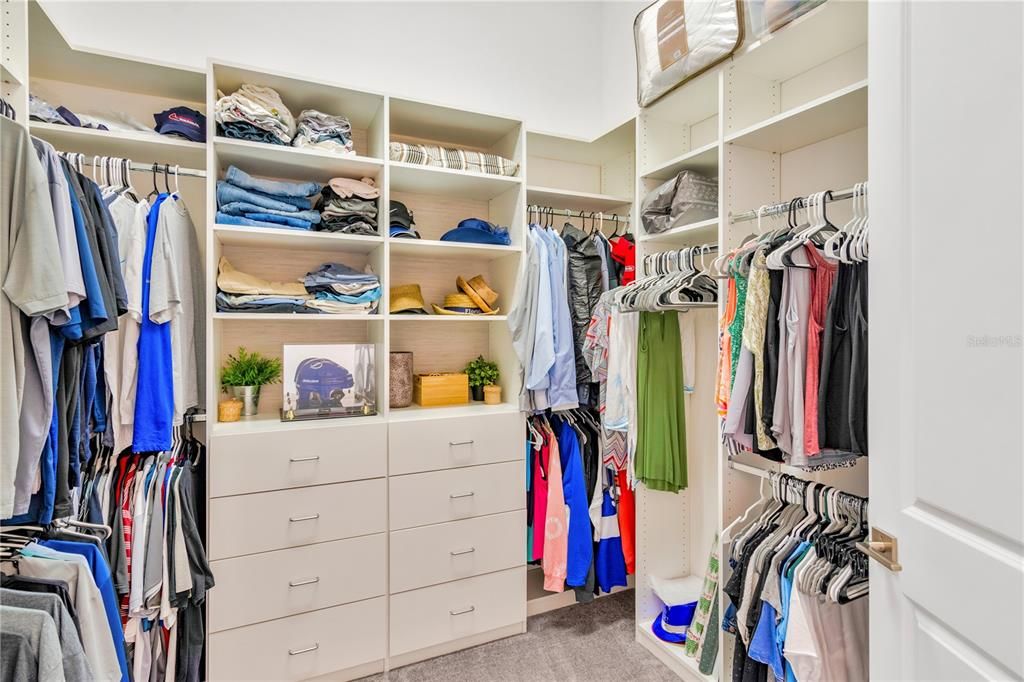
687	198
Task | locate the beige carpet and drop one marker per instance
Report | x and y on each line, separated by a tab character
592	642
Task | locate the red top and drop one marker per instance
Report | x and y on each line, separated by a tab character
624	251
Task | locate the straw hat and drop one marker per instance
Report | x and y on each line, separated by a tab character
460	304
482	295
407	298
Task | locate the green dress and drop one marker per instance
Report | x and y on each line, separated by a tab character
661	419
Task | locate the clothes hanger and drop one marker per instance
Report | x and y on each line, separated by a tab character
155	192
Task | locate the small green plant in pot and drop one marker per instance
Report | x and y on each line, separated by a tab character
481	373
243	375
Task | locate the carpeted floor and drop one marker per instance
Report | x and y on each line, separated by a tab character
592	642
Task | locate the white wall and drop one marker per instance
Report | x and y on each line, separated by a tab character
563	67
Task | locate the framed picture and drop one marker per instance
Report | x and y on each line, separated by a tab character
327	381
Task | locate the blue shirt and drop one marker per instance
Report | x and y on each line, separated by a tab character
101	575
562	389
154	402
785	592
580	551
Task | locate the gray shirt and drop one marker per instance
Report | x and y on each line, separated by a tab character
76	667
29	646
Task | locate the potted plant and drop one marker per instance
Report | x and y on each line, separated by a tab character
243	375
482	373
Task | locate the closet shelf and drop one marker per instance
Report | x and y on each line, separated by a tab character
671	655
451	319
9	76
577	201
432	248
838	112
416	412
299	317
138	146
233	235
279	161
689	233
263	423
703	160
411	177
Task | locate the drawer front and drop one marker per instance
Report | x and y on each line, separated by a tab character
455	442
247	524
300	647
440	496
278	460
460	549
438	614
260	587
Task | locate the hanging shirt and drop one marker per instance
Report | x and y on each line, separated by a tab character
581	543
556	525
624	252
609	565
154	404
562	377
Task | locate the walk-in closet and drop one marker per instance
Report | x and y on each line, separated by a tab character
596	402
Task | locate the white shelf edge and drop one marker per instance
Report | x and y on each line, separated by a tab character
453	247
296	153
670	654
265	423
416	412
416	167
572	194
681	159
447	318
312	317
129	136
679	230
298	236
797	111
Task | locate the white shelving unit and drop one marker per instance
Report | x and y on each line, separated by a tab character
785	117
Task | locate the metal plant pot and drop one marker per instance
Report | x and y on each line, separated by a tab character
250	397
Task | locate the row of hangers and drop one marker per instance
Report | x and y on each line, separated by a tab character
833	521
544	216
115	173
573	416
674	281
15	538
846	244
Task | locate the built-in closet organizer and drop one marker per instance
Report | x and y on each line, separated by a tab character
785	117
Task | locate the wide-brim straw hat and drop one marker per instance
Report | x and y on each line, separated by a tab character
477	289
406	297
460	304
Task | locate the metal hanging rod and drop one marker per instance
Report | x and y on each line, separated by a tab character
97	162
597	215
775	209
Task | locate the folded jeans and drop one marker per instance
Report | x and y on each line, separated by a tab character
238	177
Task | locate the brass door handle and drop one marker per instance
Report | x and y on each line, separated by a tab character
883	548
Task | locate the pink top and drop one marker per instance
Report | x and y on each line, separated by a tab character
540	498
821	286
556	527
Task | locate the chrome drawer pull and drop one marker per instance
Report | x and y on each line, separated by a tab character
300	583
461	442
304	459
296	652
296	519
459	613
465	551
469	494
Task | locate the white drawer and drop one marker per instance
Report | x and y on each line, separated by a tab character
293	458
300	647
459	549
247	524
438	614
452	494
455	442
259	587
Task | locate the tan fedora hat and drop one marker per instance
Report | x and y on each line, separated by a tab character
460	304
477	289
406	297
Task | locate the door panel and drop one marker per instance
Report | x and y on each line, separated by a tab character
946	174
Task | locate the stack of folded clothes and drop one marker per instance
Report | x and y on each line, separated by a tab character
258	202
331	288
323	131
348	206
254	113
337	288
239	292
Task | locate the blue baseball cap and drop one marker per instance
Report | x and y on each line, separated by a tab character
477	231
182	121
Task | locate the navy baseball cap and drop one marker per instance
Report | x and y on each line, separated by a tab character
182	121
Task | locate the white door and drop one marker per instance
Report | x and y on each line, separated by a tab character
946	185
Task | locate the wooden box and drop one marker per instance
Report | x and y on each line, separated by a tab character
431	390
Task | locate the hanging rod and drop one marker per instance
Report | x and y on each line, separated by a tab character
596	215
774	209
767	473
96	162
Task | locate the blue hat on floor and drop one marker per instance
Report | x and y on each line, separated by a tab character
477	231
673	622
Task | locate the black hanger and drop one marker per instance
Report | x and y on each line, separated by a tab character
167	185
